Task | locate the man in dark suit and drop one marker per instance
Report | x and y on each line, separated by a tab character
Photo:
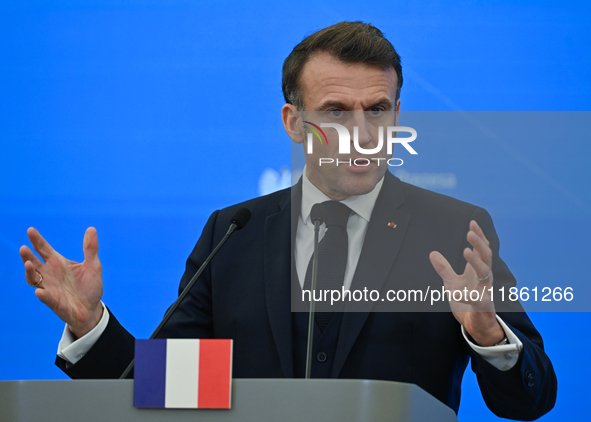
350	70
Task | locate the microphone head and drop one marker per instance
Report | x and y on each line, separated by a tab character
318	213
240	218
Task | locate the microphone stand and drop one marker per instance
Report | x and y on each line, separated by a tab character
235	225
317	223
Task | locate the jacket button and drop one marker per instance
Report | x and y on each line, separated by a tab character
530	379
321	357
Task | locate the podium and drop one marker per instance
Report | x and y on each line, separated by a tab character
253	400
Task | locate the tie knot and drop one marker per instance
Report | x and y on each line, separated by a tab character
336	213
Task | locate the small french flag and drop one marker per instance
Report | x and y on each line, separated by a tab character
183	373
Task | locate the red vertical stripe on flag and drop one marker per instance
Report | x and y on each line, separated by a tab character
215	374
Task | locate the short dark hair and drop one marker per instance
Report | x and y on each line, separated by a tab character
351	42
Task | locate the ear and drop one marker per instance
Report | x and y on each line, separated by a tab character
293	123
397	112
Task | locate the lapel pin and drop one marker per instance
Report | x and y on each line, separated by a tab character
392	224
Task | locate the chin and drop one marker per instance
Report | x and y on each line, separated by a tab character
362	188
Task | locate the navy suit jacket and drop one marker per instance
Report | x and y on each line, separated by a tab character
245	295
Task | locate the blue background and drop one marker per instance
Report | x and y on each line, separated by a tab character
141	118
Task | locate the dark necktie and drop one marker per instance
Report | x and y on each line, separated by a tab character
332	259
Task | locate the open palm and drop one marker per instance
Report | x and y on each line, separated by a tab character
70	289
475	308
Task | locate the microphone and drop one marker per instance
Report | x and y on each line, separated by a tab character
317	215
241	217
237	222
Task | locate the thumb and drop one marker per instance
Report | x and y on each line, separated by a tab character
90	245
441	265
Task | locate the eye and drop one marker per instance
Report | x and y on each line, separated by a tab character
335	113
376	112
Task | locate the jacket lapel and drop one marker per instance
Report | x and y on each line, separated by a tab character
380	248
277	260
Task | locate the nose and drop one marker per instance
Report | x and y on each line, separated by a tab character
360	128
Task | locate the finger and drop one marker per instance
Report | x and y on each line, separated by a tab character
476	229
40	244
481	247
90	246
441	265
46	297
32	276
28	255
481	268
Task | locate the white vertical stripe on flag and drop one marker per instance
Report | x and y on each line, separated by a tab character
182	373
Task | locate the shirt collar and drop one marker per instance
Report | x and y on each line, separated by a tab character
360	204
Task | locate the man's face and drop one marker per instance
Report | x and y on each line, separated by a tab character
350	95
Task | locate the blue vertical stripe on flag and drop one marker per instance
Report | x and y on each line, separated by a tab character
150	373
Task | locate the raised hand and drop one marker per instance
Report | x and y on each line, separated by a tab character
477	316
70	289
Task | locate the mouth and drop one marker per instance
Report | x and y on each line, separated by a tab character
360	165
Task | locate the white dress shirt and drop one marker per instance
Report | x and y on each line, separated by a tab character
362	207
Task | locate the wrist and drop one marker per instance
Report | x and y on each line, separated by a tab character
487	335
80	330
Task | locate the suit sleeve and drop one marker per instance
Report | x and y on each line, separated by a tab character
528	390
113	351
107	359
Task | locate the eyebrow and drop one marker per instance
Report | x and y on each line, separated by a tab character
384	102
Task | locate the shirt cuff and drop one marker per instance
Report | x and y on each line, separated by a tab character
501	357
71	349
